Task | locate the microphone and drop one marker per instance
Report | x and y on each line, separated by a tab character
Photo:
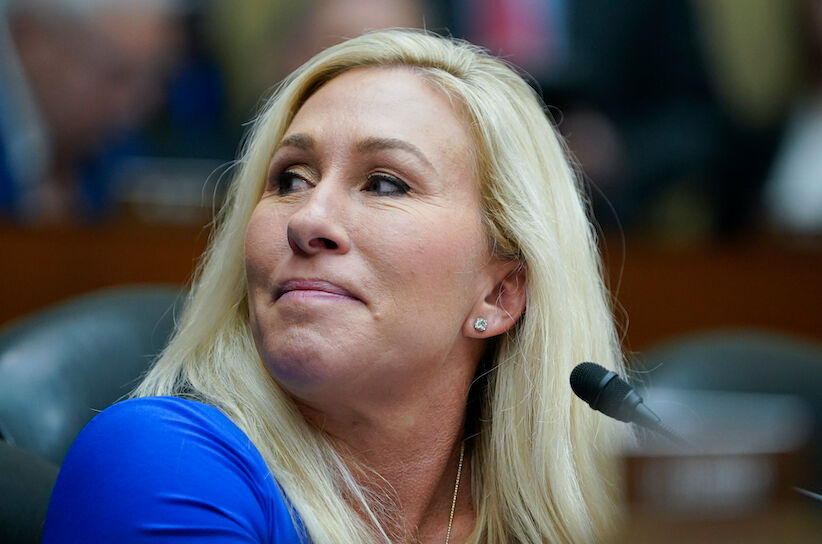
606	392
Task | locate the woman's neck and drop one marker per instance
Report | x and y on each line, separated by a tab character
409	452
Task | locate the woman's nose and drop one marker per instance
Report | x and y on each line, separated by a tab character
317	226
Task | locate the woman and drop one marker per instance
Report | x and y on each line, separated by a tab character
360	318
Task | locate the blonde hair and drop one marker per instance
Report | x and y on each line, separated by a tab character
541	460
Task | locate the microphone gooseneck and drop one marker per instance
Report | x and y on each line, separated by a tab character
606	392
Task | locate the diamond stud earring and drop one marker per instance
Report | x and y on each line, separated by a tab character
480	324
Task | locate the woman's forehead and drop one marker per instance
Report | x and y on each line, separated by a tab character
379	104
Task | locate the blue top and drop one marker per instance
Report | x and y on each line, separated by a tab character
164	469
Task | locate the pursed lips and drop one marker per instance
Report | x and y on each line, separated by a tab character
320	287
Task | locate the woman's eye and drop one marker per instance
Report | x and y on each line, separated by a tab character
288	182
383	184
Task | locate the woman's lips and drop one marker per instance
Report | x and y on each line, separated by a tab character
311	288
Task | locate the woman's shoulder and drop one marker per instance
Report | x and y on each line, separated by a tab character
167	468
163	428
160	417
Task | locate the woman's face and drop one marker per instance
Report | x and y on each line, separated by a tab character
366	257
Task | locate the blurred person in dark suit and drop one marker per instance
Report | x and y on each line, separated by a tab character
633	96
76	75
276	36
327	22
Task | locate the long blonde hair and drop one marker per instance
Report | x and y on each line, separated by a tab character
541	464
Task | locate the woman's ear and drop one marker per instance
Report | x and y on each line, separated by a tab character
502	304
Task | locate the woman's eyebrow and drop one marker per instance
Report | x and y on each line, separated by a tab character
304	141
299	140
376	144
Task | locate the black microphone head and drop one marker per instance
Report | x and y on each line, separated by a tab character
606	392
613	400
585	381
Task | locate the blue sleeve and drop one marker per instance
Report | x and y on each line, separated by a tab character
166	470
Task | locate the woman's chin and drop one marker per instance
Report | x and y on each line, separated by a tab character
310	374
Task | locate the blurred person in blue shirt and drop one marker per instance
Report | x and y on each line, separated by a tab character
76	77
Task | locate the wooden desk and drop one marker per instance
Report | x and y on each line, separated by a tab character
755	284
44	265
665	292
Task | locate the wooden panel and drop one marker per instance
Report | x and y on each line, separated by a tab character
667	293
41	266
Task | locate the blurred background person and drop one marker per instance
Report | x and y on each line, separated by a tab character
77	77
276	36
794	187
627	85
324	23
673	109
754	53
